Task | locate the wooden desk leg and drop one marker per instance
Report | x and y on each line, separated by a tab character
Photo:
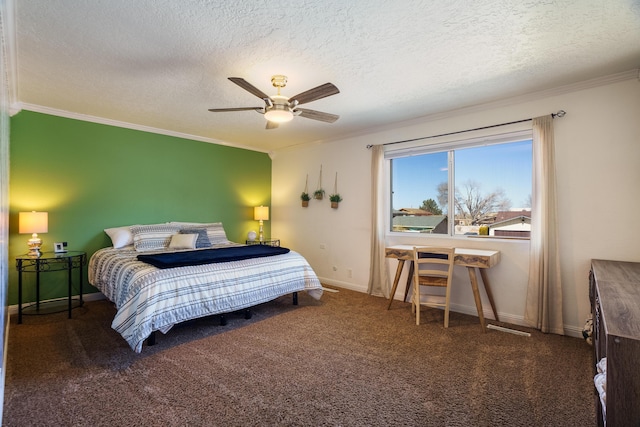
476	295
409	281
395	281
487	288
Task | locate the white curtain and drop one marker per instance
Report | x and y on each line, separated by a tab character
378	275
544	292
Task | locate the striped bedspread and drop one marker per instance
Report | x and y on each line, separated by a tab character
150	299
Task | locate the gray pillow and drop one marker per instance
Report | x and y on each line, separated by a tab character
203	239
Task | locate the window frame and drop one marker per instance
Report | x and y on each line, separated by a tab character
448	144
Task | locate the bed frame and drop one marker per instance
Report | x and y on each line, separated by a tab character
151	339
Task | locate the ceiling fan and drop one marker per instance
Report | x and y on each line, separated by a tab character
280	109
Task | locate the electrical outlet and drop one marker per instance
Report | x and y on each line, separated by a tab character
349	273
335	268
321	245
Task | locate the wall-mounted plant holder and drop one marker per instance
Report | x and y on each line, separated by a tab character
335	200
335	197
319	193
304	197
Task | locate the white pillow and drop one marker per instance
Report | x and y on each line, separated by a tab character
183	241
120	236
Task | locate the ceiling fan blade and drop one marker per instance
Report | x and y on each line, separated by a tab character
249	87
319	92
317	115
220	110
271	125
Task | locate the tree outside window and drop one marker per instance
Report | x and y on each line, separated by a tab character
491	184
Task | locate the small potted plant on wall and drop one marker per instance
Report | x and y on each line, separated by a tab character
335	196
335	200
304	196
305	199
319	193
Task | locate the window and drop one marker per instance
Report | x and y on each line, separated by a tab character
485	182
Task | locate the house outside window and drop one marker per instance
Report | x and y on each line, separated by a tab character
471	187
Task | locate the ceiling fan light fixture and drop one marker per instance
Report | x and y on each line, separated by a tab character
281	109
279	114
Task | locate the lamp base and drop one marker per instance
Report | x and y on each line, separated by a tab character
34	244
34	253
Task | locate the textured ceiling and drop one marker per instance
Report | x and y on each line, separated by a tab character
163	63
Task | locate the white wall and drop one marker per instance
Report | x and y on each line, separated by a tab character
598	162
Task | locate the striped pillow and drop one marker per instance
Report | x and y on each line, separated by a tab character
215	230
203	238
153	237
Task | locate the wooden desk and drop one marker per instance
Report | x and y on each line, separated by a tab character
471	258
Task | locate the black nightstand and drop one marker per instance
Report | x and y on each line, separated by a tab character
47	262
268	242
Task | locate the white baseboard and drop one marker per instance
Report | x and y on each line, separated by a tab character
569	330
343	285
95	296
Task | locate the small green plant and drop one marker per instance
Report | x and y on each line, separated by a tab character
318	194
305	196
335	200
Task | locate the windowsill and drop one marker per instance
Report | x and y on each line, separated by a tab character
498	237
414	236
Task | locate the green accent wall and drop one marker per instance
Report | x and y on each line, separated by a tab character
91	176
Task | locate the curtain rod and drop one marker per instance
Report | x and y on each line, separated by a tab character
560	113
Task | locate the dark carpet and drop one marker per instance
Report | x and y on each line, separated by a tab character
341	361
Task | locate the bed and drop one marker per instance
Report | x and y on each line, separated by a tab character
149	298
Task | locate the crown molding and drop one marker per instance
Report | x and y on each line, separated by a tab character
16	107
633	74
101	120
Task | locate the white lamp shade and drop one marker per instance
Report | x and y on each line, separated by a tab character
261	213
33	222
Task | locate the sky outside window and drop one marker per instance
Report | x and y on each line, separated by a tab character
507	166
416	178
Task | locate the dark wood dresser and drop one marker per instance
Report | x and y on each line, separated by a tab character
615	302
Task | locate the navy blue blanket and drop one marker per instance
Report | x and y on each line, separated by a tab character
209	256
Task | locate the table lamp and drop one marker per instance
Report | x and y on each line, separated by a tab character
34	223
261	213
